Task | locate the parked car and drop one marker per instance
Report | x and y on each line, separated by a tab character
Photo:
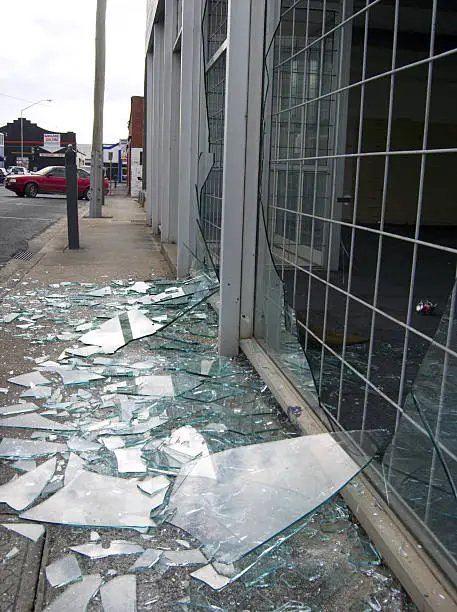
3	174
16	170
49	180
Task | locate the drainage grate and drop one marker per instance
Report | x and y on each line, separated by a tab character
23	255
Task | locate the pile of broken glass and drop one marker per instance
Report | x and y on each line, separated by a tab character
136	422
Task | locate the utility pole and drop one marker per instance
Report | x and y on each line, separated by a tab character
96	174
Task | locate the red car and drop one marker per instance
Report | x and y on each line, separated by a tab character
49	180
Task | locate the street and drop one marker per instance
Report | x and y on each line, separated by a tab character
23	218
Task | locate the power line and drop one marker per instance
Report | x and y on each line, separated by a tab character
14	97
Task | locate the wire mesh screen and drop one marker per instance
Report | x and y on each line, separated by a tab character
214	28
216	25
358	194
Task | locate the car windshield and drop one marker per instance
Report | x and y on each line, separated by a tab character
44	170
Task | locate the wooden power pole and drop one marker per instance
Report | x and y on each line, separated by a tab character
96	174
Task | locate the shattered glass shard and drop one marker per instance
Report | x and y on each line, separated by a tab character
37	392
63	571
156	386
183	445
208	575
34	421
121	330
276	484
112	442
28	530
75	464
20	492
100	292
94	500
18	408
168	294
82	445
153	484
116	547
194	556
16	448
76	377
149	558
139	287
29	380
129	460
83	351
77	596
119	594
24	465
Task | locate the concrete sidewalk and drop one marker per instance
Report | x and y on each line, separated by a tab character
119	245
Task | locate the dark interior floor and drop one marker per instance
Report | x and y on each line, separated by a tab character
434	280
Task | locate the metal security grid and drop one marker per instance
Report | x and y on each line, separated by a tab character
216	24
215	32
359	152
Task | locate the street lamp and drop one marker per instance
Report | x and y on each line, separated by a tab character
22	127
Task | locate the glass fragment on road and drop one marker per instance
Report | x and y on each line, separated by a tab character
193	556
94	500
209	576
120	330
34	421
77	595
17	448
154	484
119	594
270	494
129	460
63	571
18	408
31	531
74	466
149	558
116	547
31	379
20	492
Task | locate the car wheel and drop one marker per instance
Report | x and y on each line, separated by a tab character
87	194
31	190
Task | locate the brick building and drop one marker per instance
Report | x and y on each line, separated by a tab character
135	145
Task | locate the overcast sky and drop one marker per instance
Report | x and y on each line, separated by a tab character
47	50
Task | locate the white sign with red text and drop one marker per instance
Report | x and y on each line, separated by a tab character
51	142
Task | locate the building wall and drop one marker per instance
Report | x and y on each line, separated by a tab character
136	171
136	121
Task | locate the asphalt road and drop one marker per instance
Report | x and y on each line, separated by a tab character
21	219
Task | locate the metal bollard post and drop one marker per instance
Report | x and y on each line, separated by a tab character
72	198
